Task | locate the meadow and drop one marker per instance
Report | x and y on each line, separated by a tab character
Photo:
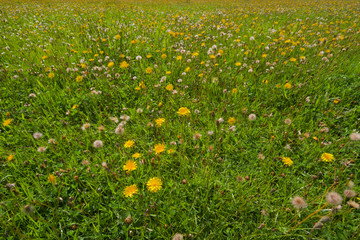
191	119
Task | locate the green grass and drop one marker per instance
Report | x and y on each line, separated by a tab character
227	185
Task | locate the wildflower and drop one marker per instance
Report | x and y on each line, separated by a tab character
154	184
237	64
148	70
79	78
7	122
287	121
98	144
37	135
51	75
163	56
170	151
125	117
159	122
169	87
292	59
10	157
231	120
129	191
333	198
111	64
327	157
183	111
52	179
33	95
252	117
52	141
336	100
287	86
349	193
299	202
355	136
119	130
130	166
197	136
124	64
353	204
41	149
85	126
159	148
178	236
210	133
287	161
139	110
136	155
129	143
117	37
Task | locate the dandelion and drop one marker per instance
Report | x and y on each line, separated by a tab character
125	117
85	126
333	198
178	236
197	136
52	141
117	37
130	166
79	78
10	157
124	64
287	86
51	75
159	148
252	117
288	121
299	202
154	184
183	111
327	157
349	193
129	191
32	95
7	122
37	135
136	155
52	178
159	122
355	136
41	149
119	130
129	144
287	161
231	120
148	70
98	144
353	204
169	87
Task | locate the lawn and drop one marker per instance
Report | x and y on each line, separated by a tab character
179	119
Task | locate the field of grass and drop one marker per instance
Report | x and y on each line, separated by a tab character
191	119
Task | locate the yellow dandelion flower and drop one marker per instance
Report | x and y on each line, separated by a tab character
168	72
178	57
187	69
136	155
287	86
234	90
287	161
159	122
238	64
7	122
51	75
124	64
148	56
117	37
52	178
159	148
129	144
163	56
129	191
231	120
169	87
183	111
111	64
292	59
10	157
154	184
264	55
79	78
44	57
130	166
327	157
148	70
336	100
75	106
